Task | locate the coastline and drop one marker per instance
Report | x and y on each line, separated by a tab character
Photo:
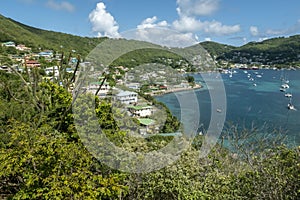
162	92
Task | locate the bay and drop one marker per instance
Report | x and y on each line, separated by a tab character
250	102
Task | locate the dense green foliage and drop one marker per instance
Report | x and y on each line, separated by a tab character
216	49
142	56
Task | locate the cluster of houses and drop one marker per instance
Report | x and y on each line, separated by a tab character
20	47
142	112
30	59
134	106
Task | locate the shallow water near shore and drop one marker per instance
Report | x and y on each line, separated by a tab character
250	102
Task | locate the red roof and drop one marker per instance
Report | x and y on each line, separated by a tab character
32	62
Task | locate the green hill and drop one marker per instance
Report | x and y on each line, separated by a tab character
216	49
282	51
37	38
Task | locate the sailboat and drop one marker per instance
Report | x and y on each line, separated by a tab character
288	95
282	89
285	86
290	105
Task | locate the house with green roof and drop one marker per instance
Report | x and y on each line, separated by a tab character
149	125
9	44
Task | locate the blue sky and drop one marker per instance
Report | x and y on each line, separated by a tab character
233	22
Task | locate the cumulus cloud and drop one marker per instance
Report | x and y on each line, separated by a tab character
189	10
180	32
151	23
161	33
187	24
162	36
64	5
103	22
217	28
254	31
210	27
197	7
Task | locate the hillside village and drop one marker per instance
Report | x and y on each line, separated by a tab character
128	83
19	57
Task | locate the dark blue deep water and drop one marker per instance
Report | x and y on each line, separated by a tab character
248	105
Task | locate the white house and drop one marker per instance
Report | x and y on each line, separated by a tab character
127	97
22	47
141	111
94	86
135	86
9	44
54	69
5	68
46	54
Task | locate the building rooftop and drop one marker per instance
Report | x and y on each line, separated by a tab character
140	107
126	93
146	121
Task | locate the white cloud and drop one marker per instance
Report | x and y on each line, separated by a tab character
161	33
217	28
289	30
208	39
262	39
188	11
162	36
103	22
210	27
64	5
151	23
197	7
187	24
254	31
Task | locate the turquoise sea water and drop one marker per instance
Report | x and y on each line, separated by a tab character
249	105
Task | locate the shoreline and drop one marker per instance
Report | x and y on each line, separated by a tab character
163	92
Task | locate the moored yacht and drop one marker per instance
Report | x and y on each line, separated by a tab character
282	89
288	95
285	86
291	106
